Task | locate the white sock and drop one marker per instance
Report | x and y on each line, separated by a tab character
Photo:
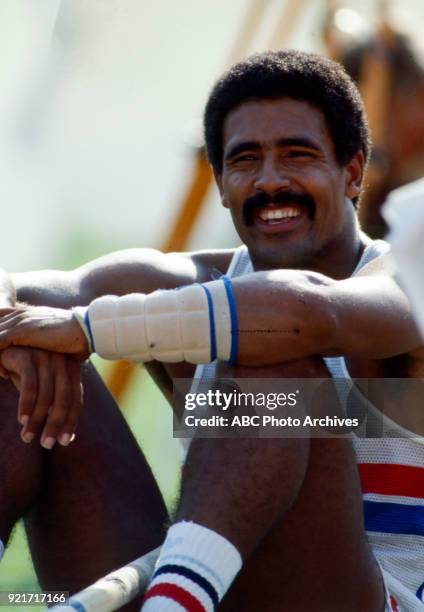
1	549
195	568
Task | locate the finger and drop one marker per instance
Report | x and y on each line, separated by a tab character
9	367
68	430
6	310
45	394
12	362
20	368
11	330
28	391
62	400
11	319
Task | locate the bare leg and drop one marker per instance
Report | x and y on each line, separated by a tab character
20	466
101	507
293	508
89	508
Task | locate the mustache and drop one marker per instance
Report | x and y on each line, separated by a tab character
284	197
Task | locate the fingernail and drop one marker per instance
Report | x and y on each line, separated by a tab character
28	437
48	443
65	439
24	419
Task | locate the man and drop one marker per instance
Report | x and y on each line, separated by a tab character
283	518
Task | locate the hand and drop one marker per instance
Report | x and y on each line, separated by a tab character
52	329
50	393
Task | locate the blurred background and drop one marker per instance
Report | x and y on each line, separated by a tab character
100	139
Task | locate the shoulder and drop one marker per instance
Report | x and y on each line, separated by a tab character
376	259
208	261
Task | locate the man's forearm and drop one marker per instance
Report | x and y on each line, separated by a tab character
259	319
266	318
282	316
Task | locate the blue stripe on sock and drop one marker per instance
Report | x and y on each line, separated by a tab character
90	333
211	323
194	561
394	518
181	570
233	315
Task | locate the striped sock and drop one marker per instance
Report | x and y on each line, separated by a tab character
1	549
194	571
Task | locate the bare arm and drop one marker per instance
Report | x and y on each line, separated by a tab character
128	271
119	273
305	313
283	315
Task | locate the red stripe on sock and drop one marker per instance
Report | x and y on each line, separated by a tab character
178	594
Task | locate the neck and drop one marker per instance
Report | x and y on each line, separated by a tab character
337	259
340	263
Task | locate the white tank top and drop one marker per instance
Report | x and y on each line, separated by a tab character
391	472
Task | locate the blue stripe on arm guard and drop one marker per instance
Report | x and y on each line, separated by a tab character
233	314
211	323
90	333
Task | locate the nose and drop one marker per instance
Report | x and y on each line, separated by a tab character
271	177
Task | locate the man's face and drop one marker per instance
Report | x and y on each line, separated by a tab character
281	181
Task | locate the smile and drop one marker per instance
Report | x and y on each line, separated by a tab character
276	214
278	219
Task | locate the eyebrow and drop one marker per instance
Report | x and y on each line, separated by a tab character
300	141
252	145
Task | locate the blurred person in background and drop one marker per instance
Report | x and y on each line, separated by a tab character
398	131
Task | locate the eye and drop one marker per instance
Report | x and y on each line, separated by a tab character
246	157
243	161
300	154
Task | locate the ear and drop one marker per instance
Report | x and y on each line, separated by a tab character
354	175
218	181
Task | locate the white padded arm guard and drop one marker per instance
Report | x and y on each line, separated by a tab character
196	323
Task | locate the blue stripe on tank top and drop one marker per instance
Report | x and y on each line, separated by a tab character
394	518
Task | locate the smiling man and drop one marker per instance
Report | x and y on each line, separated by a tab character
283	185
278	522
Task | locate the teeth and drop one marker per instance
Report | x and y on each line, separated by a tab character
269	214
